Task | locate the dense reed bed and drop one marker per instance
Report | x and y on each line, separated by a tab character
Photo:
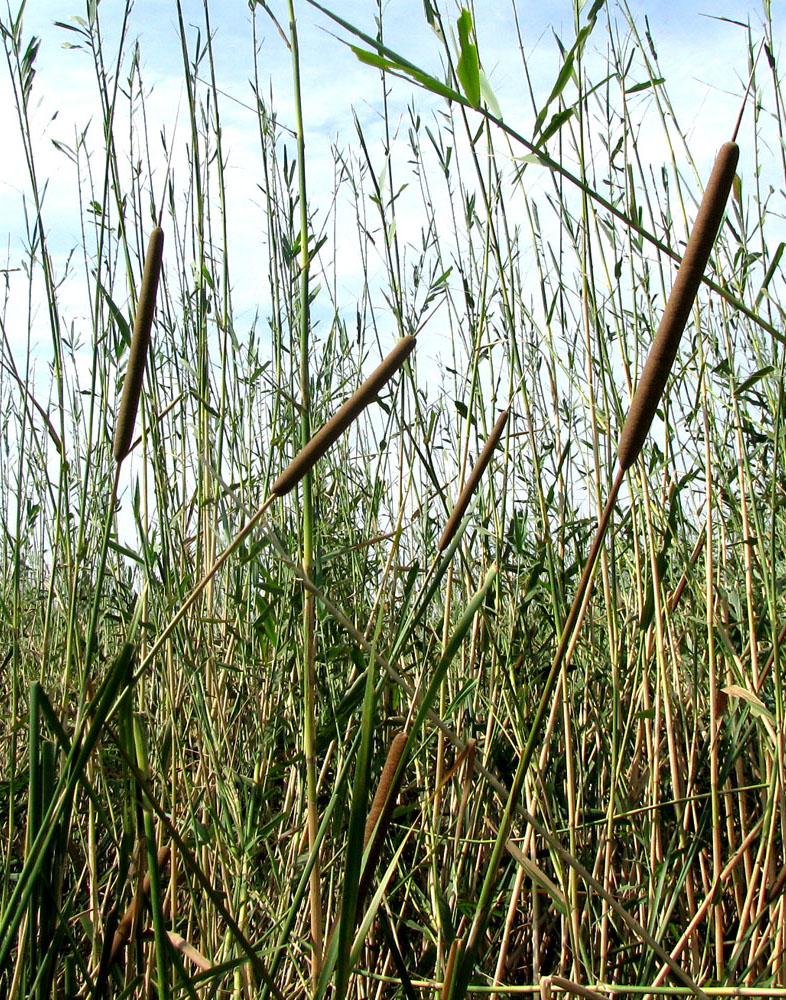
322	678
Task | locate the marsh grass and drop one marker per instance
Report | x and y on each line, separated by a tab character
208	661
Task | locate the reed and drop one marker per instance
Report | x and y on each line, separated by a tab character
358	879
472	482
308	522
634	433
153	870
140	342
122	934
328	434
683	294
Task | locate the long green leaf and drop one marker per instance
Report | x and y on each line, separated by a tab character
468	66
452	647
357	818
408	71
99	709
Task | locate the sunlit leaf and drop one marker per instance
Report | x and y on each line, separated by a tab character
468	66
425	80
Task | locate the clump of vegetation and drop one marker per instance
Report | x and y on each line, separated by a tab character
305	701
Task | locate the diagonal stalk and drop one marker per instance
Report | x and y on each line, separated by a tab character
560	662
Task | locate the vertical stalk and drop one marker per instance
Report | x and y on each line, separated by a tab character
92	628
714	728
156	896
34	818
439	771
309	751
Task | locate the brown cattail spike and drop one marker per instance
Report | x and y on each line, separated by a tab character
675	316
381	810
143	323
383	793
329	433
474	478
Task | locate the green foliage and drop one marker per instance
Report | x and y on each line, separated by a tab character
468	66
191	665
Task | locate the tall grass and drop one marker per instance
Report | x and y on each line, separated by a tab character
293	582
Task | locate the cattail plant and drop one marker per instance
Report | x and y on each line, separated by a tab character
382	807
377	823
126	418
675	316
385	796
642	411
300	465
143	324
328	434
472	482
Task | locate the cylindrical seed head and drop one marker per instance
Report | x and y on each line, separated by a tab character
140	341
381	811
383	793
686	284
474	478
327	435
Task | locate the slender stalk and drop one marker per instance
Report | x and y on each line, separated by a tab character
156	895
561	658
309	641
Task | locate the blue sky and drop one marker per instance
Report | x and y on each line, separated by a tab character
703	59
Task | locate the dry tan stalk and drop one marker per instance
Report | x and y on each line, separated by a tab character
181	945
614	989
466	788
123	933
635	925
763	929
378	819
770	659
140	341
531	868
472	482
777	887
675	316
665	701
513	905
698	916
329	433
678	591
574	988
449	968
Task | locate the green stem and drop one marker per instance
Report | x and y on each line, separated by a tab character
93	626
561	659
156	897
309	676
